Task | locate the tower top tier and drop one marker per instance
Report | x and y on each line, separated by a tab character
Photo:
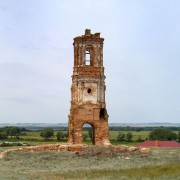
88	50
87	36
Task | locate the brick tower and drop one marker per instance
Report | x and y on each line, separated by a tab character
88	90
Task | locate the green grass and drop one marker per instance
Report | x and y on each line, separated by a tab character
156	172
113	134
32	135
161	163
143	134
34	138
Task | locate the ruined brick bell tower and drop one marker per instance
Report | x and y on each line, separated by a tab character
88	90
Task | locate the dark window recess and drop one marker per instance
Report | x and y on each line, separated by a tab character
102	113
89	91
88	58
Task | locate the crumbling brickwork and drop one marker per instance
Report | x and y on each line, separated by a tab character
88	90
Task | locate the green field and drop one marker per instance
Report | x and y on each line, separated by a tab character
159	164
143	134
113	134
34	138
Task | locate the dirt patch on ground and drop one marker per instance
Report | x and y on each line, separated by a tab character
80	150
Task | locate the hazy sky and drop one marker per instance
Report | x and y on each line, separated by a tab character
141	58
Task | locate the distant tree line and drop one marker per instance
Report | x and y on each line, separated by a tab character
37	128
11	131
138	129
125	137
48	133
164	134
111	128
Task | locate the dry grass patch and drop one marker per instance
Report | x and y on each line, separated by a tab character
158	164
168	171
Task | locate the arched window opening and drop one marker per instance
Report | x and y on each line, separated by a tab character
88	134
88	58
102	113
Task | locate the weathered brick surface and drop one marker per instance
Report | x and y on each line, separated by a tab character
88	90
79	149
55	147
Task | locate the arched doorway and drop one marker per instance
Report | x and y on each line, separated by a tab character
88	133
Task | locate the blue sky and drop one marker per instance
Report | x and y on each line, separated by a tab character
141	58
